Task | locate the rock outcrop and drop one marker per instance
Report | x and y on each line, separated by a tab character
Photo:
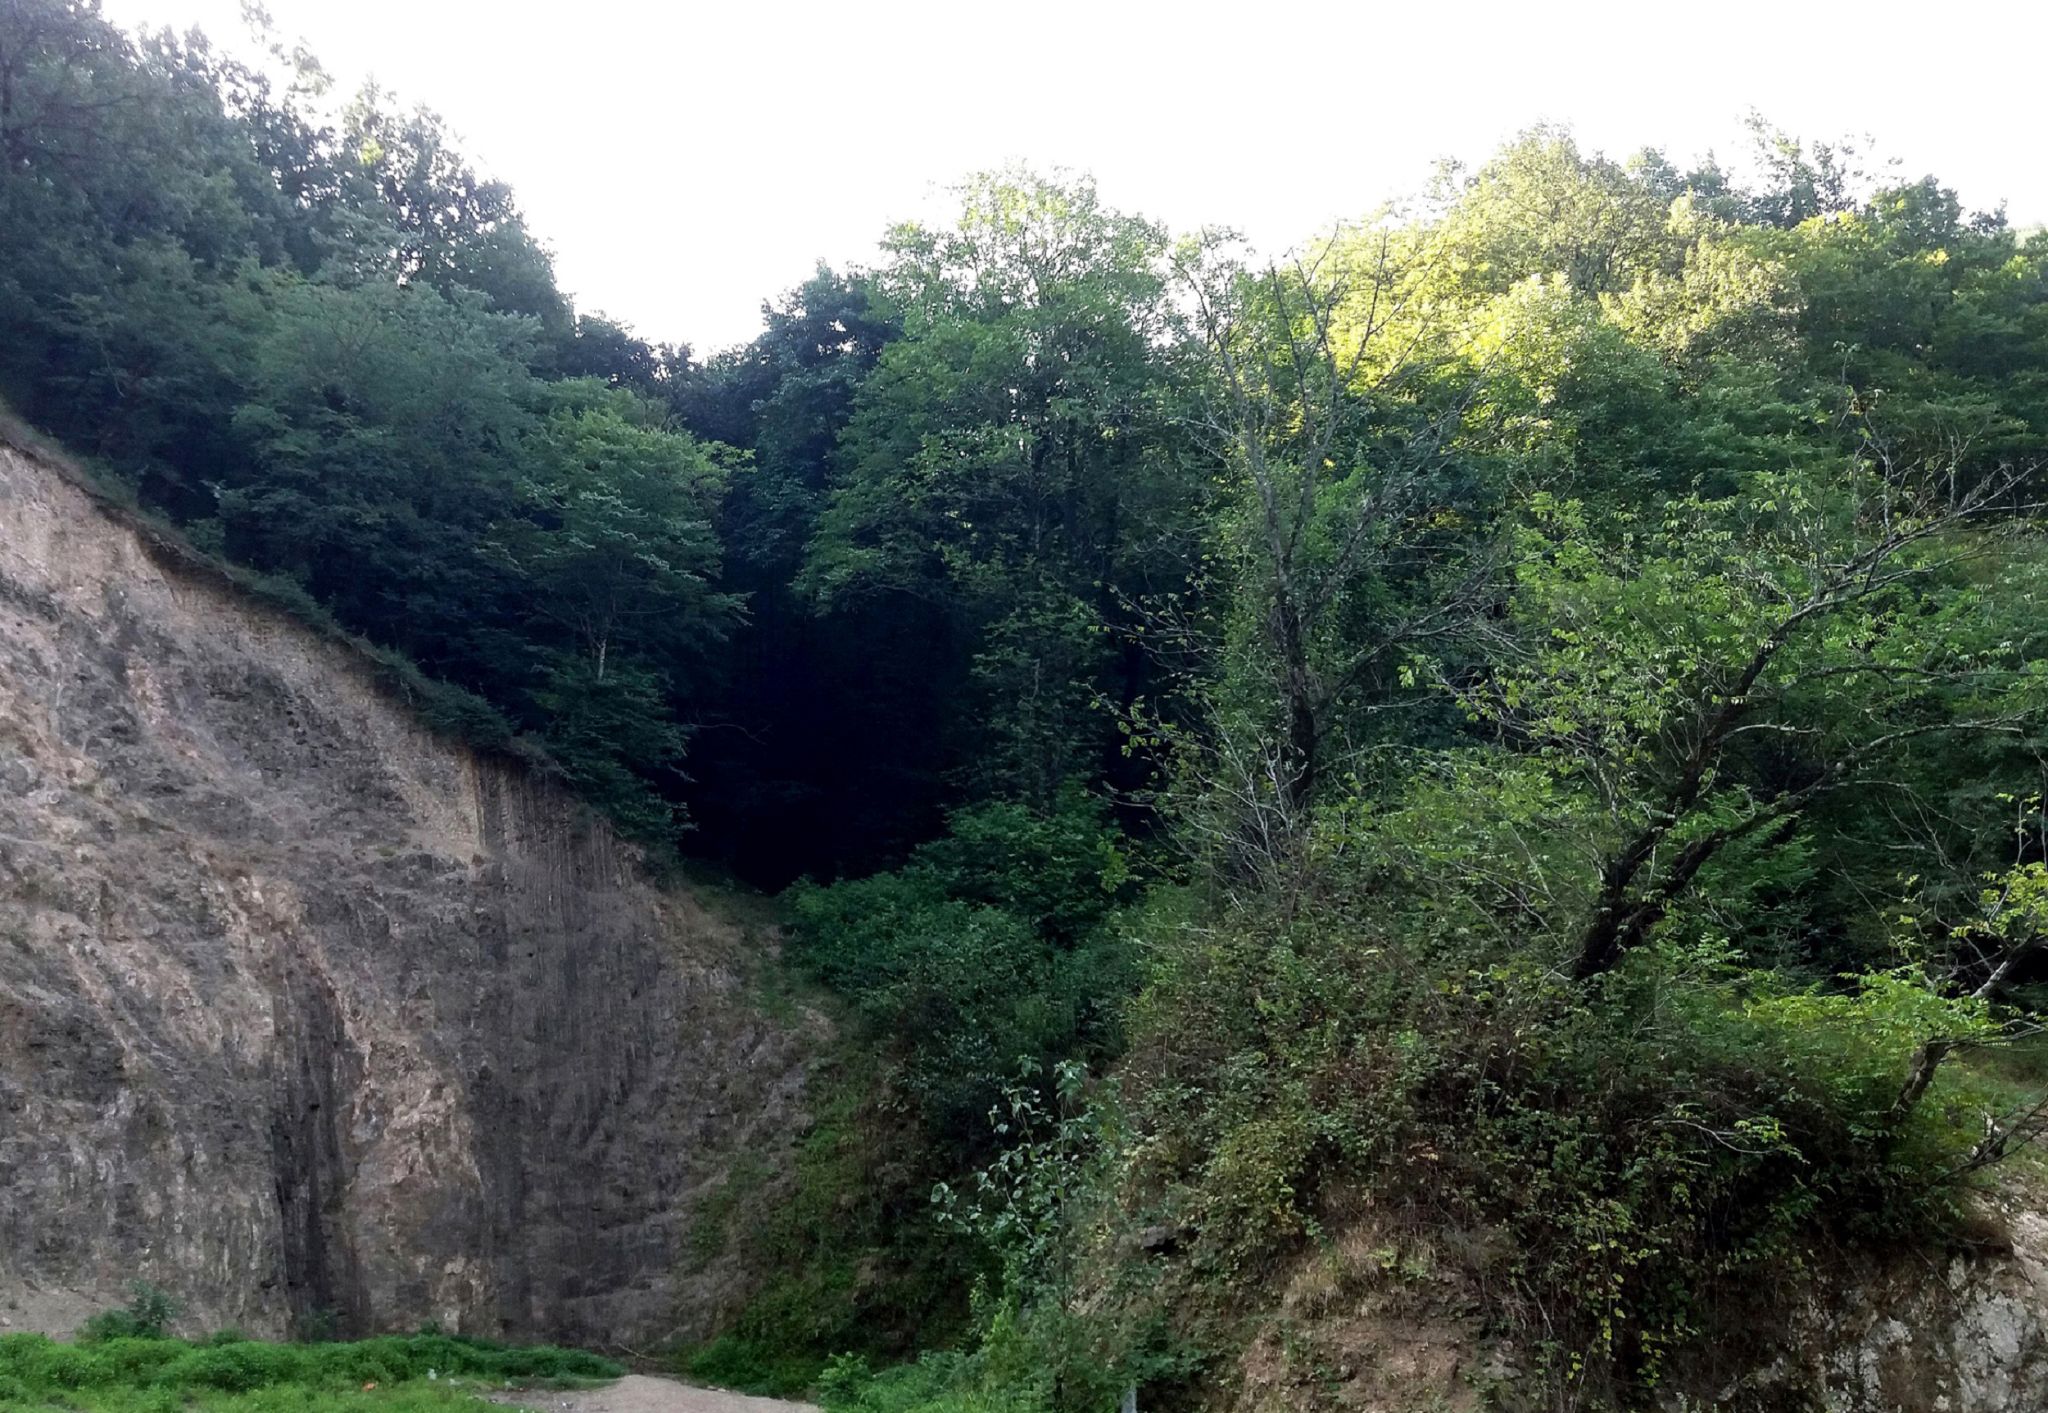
307	1013
1963	1334
1365	1324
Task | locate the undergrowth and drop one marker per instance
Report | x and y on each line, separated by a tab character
286	1398
233	1375
1627	1175
857	1258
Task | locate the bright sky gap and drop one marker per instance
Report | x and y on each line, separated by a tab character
793	132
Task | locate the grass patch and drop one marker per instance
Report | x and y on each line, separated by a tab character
753	1366
422	1397
413	1372
937	1383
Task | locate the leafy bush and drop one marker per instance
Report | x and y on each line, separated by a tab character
857	1255
751	1365
237	1368
993	944
938	1383
1024	1360
147	1315
1061	871
1629	1171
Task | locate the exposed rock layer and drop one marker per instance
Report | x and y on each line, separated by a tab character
1367	1325
306	1012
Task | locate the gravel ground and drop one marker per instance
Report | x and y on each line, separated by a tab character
636	1393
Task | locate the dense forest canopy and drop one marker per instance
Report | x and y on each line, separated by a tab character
1548	677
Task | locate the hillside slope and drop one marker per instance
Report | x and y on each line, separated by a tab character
1383	1328
308	1013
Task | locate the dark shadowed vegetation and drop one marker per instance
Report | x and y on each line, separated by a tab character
1511	738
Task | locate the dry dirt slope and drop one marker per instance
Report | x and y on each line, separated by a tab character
306	1011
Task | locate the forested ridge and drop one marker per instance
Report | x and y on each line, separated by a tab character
1515	729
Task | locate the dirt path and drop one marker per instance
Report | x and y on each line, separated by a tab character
636	1393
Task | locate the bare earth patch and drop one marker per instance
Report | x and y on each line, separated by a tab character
637	1393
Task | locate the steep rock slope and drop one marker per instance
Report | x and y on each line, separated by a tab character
306	1012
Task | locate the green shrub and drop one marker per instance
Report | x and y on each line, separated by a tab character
1025	1361
937	1383
1629	1166
131	1360
1061	871
756	1366
995	946
147	1315
45	1367
235	1368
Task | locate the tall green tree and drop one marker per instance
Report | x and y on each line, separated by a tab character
1004	467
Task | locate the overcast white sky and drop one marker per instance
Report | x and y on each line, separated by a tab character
685	160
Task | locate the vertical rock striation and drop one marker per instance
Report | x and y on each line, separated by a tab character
307	1012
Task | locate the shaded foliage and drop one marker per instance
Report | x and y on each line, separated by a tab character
328	349
1522	719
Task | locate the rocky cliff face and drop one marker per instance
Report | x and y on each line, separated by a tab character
307	1012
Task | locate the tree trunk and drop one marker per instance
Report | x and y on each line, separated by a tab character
1926	1064
1304	730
